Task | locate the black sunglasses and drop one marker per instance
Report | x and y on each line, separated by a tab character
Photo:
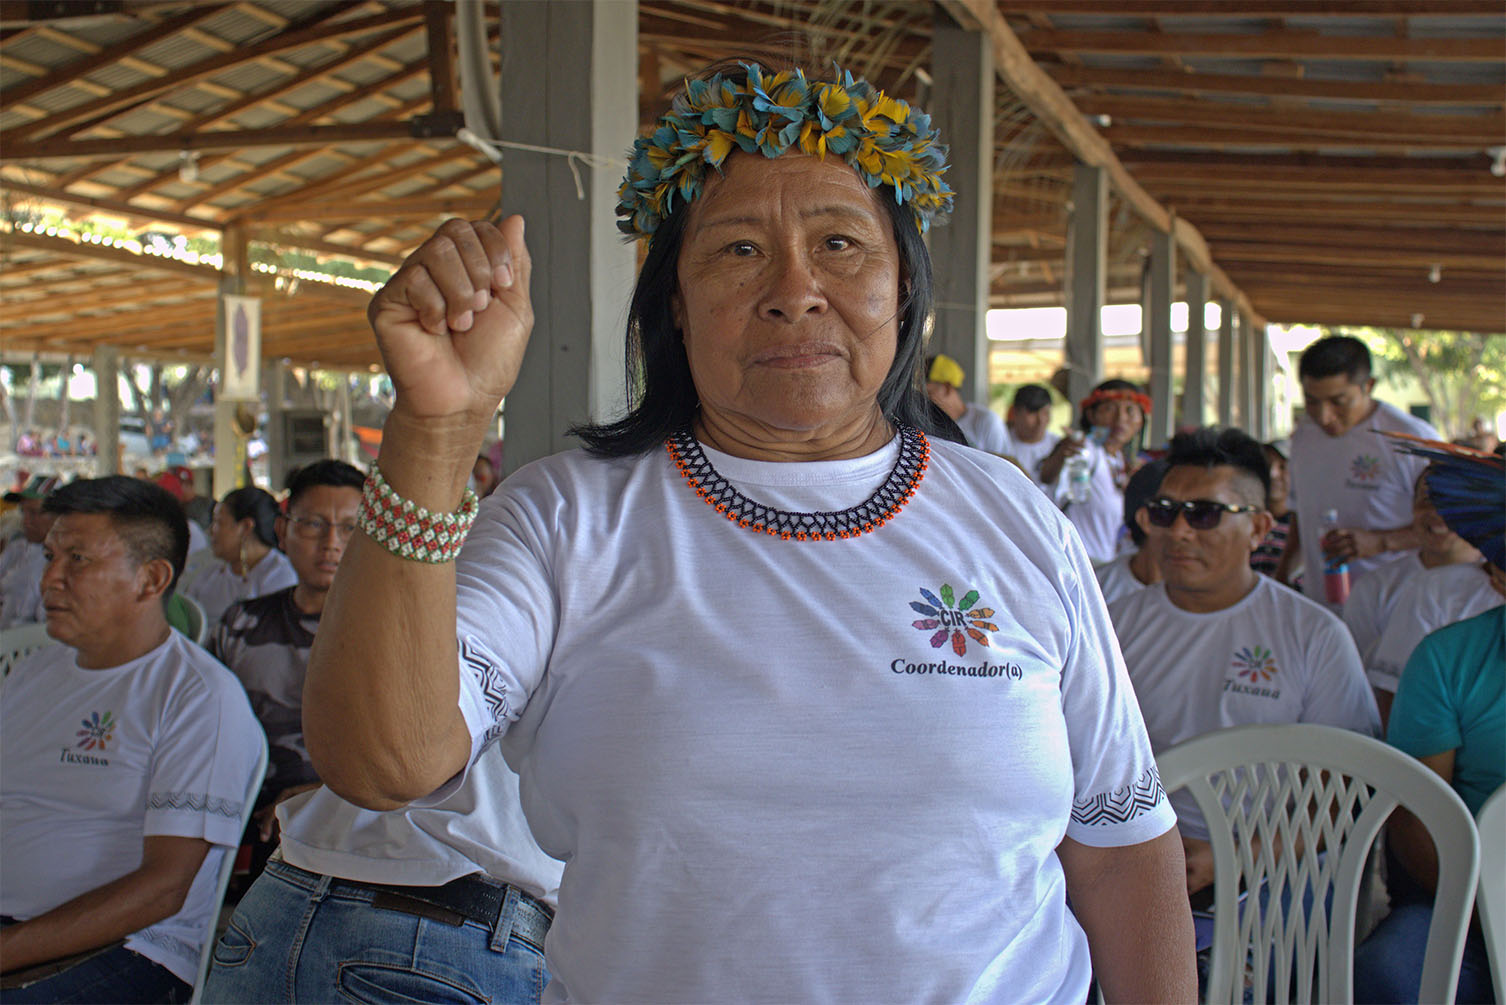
1201	514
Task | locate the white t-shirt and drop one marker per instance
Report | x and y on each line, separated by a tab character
479	828
1424	603
21	567
1274	657
1116	579
197	539
770	774
1030	455
1100	520
1362	476
1371	600
220	587
167	746
984	429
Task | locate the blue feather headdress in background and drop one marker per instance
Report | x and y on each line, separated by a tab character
1468	489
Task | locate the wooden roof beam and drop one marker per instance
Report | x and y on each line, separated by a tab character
128	210
108	56
230	139
1480	130
1050	104
118	256
1234	136
1302	88
1277	44
319	28
1260	8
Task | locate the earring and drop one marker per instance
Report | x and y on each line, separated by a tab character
244	567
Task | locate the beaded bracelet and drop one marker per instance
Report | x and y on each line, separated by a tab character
407	529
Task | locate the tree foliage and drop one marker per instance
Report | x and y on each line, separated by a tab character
1463	375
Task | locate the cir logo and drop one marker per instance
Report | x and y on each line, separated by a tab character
98	731
1256	663
953	620
1365	468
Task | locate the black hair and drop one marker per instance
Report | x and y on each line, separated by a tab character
661	393
1031	398
1139	490
1335	355
1210	447
328	471
148	519
256	505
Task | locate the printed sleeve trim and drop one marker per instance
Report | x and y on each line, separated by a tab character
171	943
1123	804
483	666
196	802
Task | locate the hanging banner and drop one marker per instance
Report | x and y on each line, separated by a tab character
240	368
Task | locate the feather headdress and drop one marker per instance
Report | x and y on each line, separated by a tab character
885	140
1468	489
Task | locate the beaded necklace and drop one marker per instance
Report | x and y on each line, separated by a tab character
864	518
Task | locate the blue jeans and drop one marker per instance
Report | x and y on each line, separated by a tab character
115	975
293	938
1388	964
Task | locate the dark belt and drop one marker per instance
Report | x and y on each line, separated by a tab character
475	898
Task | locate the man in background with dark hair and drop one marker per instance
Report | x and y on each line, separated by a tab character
21	563
114	832
1216	644
1130	571
265	640
1028	436
1341	463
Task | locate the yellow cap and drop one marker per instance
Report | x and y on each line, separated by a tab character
946	370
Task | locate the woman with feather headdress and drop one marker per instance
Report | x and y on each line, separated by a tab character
814	703
1450	713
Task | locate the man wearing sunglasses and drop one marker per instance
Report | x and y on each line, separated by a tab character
1216	644
265	641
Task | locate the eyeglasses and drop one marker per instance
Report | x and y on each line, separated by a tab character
313	528
1201	514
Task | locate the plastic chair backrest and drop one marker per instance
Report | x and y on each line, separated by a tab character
21	641
1297	789
200	621
227	866
1491	899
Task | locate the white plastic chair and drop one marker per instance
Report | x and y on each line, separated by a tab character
21	641
227	866
201	620
1314	787
1491	899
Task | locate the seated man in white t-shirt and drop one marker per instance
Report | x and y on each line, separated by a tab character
114	832
1028	438
1217	644
1129	571
982	426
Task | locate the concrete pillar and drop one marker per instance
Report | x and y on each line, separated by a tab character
1260	375
340	428
1084	276
274	379
962	100
1156	315
570	82
1245	376
1194	383
1226	363
106	364
229	445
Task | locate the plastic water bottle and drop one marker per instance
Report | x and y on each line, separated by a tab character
1079	474
1335	570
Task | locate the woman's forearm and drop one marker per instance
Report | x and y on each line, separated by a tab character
1132	903
381	710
